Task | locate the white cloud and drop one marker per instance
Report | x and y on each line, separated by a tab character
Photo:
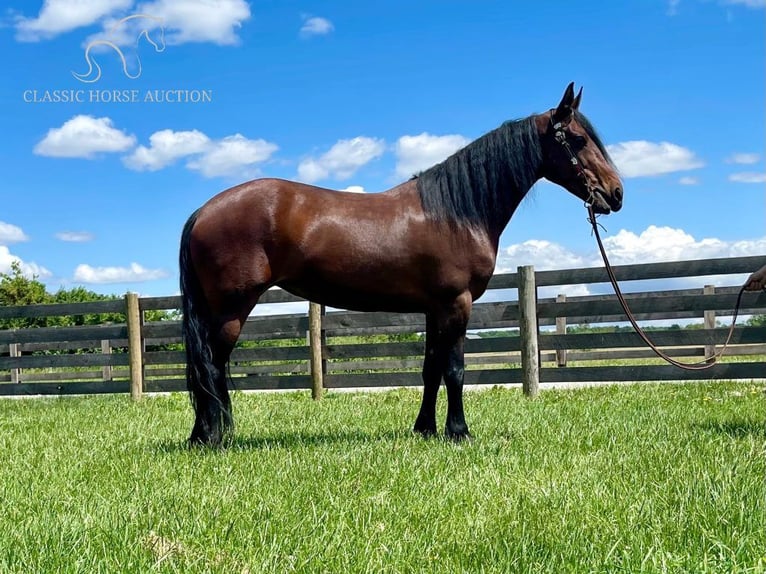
654	244
354	189
84	137
316	26
669	244
342	160
166	146
135	273
75	236
743	158
417	153
643	158
28	269
687	180
10	233
541	253
233	156
660	243
748	177
59	16
215	21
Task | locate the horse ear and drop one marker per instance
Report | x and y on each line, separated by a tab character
576	102
564	109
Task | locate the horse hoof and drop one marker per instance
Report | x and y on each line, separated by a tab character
198	440
425	430
461	435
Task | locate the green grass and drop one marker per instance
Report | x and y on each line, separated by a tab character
650	478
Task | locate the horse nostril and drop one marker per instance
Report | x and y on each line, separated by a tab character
618	193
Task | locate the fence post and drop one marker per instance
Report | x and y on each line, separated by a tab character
530	356
318	364
135	345
561	329
709	324
15	351
106	370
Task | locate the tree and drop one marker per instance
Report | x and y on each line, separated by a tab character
17	289
82	295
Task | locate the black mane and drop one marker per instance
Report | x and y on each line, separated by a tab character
483	183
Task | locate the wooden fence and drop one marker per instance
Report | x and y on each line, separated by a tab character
316	350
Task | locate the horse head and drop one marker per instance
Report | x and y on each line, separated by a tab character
575	158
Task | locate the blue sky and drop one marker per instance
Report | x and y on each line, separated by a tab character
361	94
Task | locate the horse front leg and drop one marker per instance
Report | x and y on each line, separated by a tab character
454	374
425	424
452	328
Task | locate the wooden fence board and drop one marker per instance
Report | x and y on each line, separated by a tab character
238	355
376	364
480	377
55	334
62	309
174	302
642	271
255	328
63	361
64	376
743	335
417	348
78	345
363	350
82	388
638	373
701	303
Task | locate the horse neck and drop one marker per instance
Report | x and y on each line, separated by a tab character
482	184
520	170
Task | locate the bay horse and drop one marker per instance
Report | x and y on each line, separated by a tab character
427	245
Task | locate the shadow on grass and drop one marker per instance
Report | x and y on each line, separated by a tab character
288	440
737	428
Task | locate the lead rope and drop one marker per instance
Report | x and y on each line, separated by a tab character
706	363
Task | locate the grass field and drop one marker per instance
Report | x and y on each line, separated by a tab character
643	478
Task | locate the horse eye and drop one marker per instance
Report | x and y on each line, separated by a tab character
579	141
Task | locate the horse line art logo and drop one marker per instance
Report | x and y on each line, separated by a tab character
148	25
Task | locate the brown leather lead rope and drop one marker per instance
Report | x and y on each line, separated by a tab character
708	362
698	366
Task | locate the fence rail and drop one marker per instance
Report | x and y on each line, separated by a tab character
313	351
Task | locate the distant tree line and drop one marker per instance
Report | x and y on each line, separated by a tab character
18	289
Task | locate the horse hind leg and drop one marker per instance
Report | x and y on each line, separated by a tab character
214	420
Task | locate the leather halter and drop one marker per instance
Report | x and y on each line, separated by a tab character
560	136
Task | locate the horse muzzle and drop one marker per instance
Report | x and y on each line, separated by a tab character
604	202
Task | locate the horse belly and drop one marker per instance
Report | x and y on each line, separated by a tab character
360	290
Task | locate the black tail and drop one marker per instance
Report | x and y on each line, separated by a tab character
205	380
